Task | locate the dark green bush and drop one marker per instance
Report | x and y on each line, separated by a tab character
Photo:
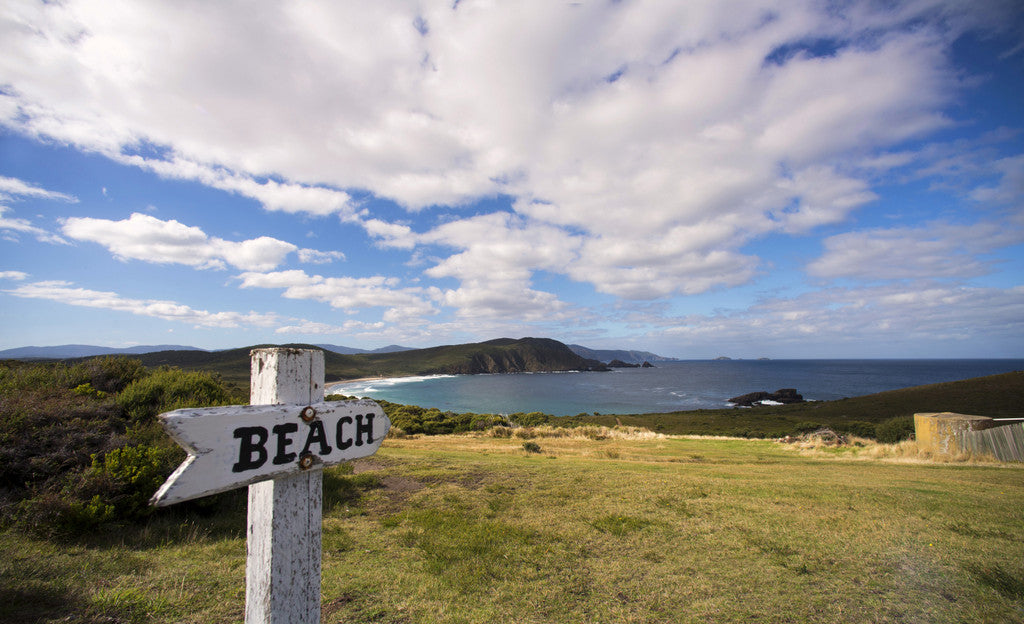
858	428
413	419
127	477
49	432
106	374
482	422
895	429
86	389
70	458
531	447
169	389
533	419
117	487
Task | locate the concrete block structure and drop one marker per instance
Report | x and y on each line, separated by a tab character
938	432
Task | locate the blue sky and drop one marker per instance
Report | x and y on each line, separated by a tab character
751	179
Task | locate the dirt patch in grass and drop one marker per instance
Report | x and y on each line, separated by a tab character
368	464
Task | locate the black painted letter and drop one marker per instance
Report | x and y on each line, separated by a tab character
282	431
254	440
361	429
317	434
342	443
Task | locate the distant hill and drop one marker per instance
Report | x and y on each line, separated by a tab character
63	352
504	355
629	357
353	350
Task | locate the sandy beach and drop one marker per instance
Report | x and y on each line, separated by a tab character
332	387
354	380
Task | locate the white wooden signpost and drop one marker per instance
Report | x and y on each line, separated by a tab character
277	446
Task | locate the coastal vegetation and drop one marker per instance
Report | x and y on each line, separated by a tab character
526	517
80	446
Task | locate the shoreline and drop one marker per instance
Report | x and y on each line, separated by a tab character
355	380
329	385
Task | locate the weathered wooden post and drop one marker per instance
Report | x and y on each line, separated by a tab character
282	569
277	446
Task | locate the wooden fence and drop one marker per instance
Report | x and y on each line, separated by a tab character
1005	443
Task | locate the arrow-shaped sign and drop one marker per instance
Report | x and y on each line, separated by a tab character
237	445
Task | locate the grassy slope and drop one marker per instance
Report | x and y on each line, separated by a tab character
674	530
999	396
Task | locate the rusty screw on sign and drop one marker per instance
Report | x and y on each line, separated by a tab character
307	414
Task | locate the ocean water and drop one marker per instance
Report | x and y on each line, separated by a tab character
671	386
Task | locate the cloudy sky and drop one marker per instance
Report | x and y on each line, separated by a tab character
779	178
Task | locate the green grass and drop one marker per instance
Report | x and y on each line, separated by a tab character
477	529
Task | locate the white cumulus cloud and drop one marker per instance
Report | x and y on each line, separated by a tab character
66	293
146	238
11	188
348	293
936	250
616	122
10	227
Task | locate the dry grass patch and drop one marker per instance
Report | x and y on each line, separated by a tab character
584	432
829	445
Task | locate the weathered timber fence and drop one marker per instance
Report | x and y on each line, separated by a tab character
1005	443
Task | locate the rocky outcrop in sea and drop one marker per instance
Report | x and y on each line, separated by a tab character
783	396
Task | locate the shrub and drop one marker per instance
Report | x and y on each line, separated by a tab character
895	430
858	428
482	422
86	389
127	477
49	432
116	487
531	447
69	458
114	373
501	431
51	513
169	389
20	376
533	419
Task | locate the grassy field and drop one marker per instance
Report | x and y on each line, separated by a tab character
589	529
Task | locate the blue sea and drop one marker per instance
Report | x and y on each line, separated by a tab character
670	386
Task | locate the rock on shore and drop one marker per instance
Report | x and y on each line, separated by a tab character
783	396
